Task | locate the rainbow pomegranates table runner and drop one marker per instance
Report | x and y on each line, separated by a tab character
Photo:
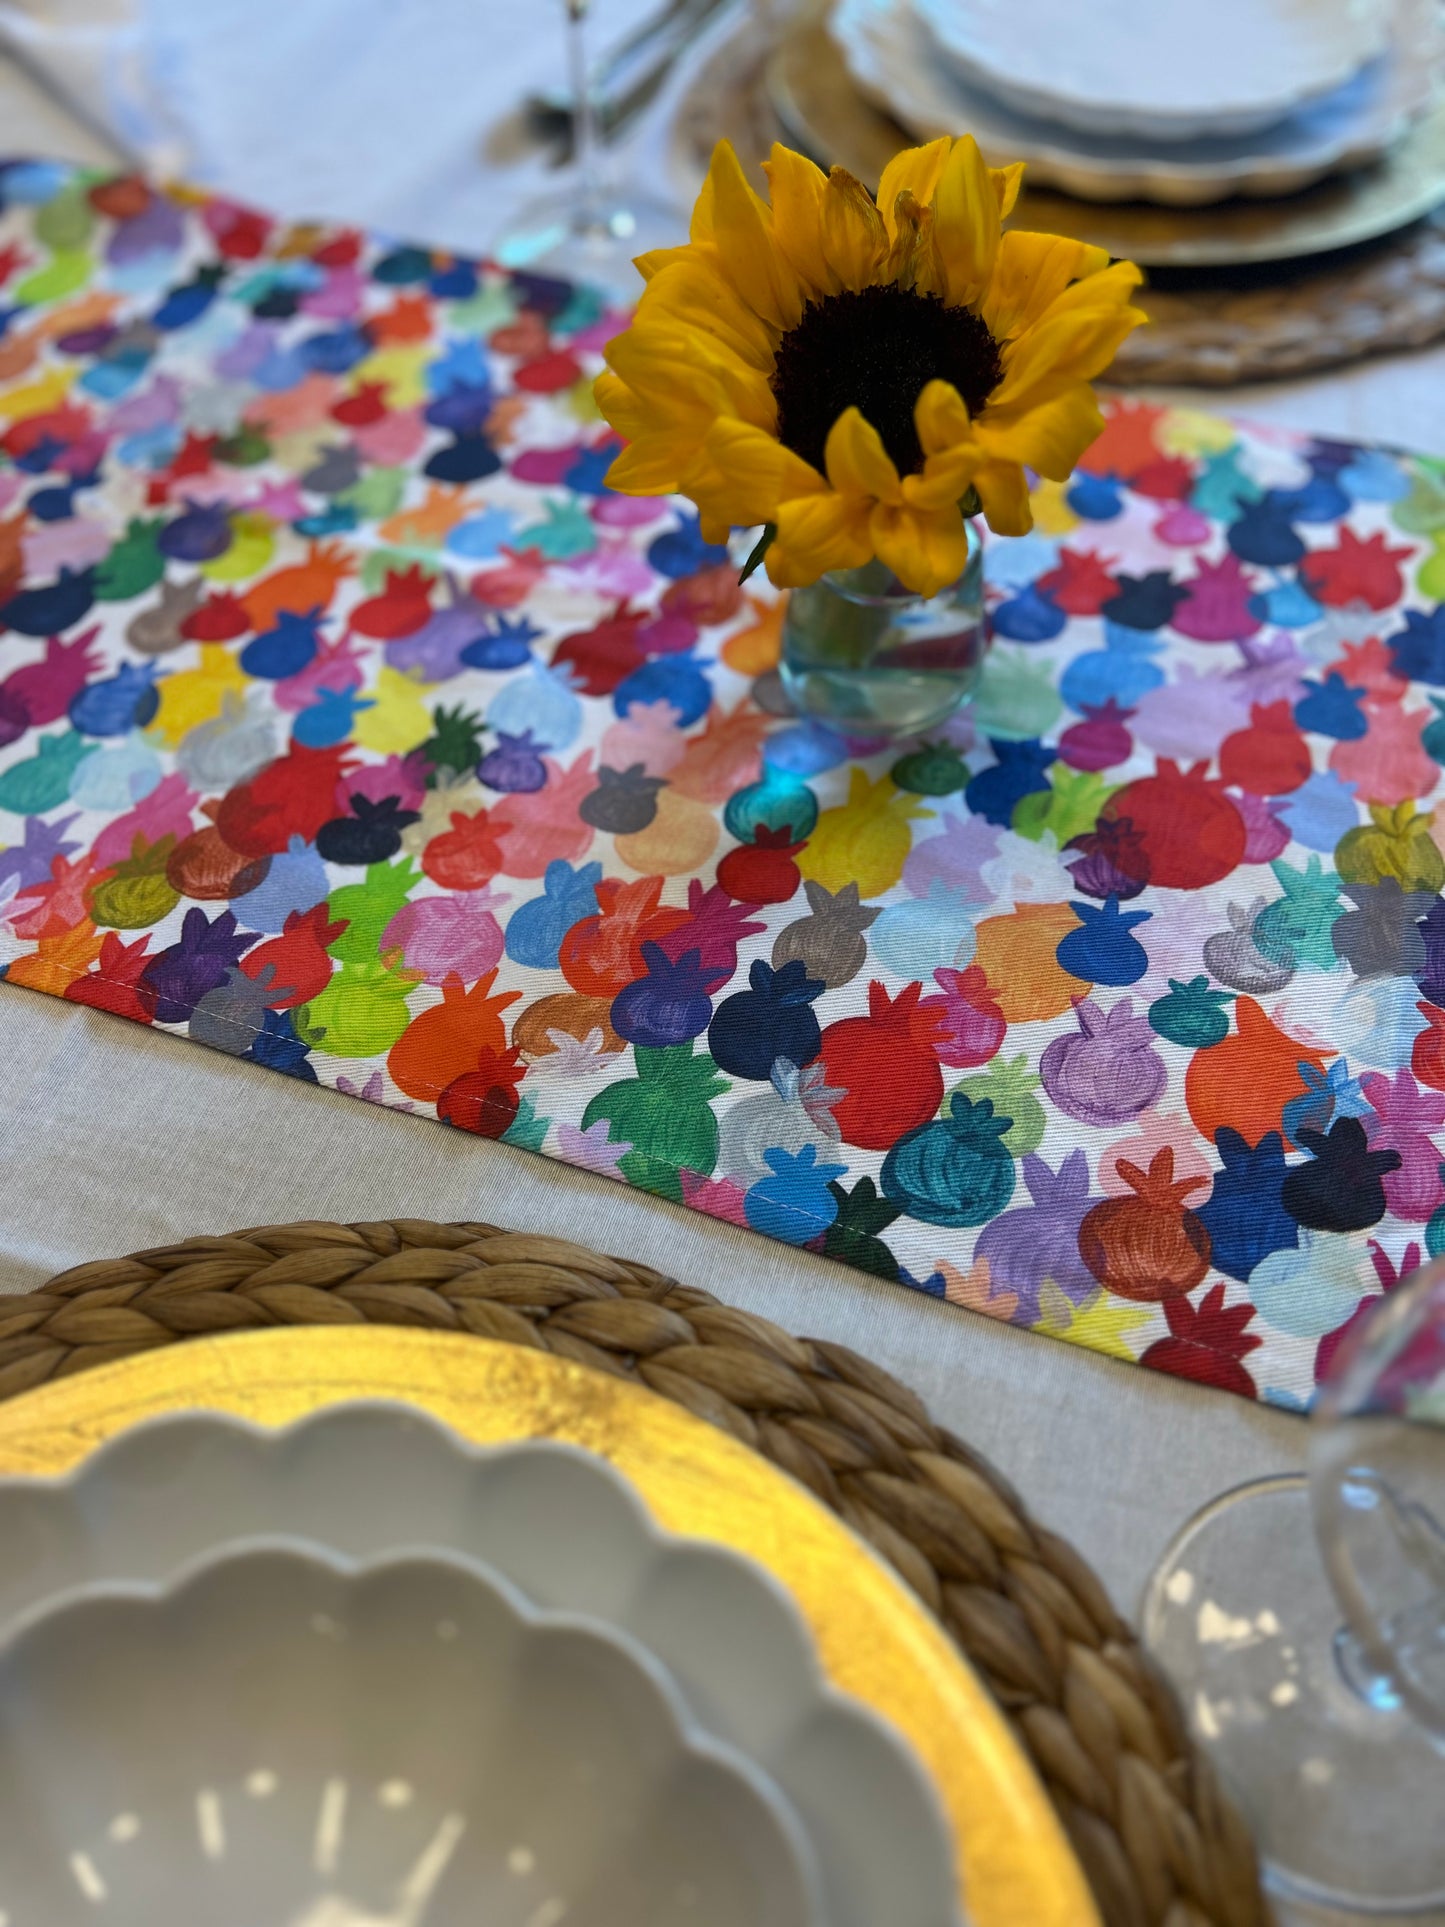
352	726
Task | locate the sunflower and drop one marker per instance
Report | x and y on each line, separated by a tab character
856	374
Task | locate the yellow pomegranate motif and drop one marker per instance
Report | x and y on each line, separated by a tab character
865	840
398	719
195	696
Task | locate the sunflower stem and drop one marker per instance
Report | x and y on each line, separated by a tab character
759	550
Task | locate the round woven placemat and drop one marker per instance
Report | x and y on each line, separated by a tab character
1160	1843
1209	327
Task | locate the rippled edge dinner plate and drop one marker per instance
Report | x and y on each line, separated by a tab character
822	111
892	53
874	1638
562	1526
1336	39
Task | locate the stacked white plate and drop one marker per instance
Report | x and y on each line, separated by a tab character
1184	102
361	1674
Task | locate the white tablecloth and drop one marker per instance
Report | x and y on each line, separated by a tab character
118	1138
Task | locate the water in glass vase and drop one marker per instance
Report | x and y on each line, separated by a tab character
872	658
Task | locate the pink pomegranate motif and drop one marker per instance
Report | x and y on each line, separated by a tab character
1404	1116
970	1026
437	935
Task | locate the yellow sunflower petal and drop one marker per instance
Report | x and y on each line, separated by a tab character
817	533
1063	349
683	369
739	224
1031	271
1049	438
1006	184
854	237
1005	496
798	189
966	220
742	476
950	450
925	548
694	293
858	463
941	418
915	171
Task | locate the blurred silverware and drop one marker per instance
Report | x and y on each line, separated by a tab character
629	77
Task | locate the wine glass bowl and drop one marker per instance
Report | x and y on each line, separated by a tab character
1377	1488
1302	1620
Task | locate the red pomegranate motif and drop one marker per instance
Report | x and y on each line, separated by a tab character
762	871
400	610
1271	757
292	796
1190	833
603	656
885	1067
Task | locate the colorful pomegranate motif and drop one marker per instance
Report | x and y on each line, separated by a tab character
1190	833
1109	1071
887	1072
1150	1245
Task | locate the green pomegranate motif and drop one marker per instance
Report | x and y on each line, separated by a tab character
527	1129
853	1236
42	781
140	893
665	1114
361	1013
1192	1014
1298	928
134	564
933	769
368	907
1070	806
1435	1229
1009	1087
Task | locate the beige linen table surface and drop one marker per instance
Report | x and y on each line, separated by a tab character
118	1138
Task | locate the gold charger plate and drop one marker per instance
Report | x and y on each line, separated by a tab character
874	1638
823	110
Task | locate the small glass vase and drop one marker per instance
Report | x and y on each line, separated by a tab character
872	658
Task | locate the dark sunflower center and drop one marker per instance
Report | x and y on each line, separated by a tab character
877	349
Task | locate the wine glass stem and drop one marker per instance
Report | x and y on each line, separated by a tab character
585	153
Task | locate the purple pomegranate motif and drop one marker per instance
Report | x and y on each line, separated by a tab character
1109	1071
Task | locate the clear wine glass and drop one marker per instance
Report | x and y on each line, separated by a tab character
1302	1619
589	230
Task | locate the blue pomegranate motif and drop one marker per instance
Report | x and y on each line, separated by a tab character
1101	950
795	1204
536	929
122	702
1020	771
671	1004
1244	1217
199	535
1029	616
514	766
1332	708
284	650
773	1018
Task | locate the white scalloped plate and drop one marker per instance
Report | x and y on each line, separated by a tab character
282	1735
1161	70
892	53
565	1528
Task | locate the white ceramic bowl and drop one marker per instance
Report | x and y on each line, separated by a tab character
282	1737
561	1525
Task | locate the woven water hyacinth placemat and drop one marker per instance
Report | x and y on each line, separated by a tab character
1160	1843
